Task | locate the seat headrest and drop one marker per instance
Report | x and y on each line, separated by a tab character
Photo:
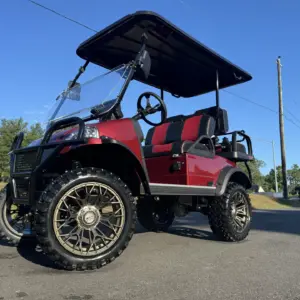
222	126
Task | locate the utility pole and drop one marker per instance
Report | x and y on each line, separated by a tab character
275	171
281	129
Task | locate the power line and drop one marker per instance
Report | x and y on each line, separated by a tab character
297	119
61	15
292	121
251	101
264	107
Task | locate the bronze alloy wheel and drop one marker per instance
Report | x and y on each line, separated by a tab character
85	219
89	219
240	210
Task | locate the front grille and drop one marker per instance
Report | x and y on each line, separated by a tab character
47	153
24	162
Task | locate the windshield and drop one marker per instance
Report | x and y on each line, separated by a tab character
99	93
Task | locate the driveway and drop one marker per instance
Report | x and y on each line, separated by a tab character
186	263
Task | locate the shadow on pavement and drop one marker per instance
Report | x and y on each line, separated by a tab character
286	221
5	243
29	250
176	229
283	221
192	233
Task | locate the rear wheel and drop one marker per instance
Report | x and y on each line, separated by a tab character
230	215
13	218
85	219
155	215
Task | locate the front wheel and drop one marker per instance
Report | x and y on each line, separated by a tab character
230	215
85	219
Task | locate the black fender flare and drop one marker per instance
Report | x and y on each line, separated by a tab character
231	174
140	166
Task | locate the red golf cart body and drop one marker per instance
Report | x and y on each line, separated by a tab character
93	171
182	156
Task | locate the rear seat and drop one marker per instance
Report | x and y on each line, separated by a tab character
178	134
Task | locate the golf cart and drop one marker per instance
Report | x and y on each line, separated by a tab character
81	188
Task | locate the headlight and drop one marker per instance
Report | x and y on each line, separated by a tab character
89	132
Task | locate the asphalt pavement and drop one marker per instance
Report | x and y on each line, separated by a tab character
185	263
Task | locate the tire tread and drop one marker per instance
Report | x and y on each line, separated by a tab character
219	215
5	235
42	227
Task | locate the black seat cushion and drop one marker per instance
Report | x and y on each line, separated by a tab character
229	148
241	148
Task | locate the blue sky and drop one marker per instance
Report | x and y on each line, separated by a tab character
38	58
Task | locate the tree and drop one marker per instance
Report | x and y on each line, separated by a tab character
255	165
8	130
270	179
35	131
293	176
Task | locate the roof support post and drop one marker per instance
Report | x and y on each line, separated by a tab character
217	101
162	93
217	90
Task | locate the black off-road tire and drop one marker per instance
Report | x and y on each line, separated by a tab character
45	211
5	233
146	210
220	217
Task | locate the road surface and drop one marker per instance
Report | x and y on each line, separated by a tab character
186	263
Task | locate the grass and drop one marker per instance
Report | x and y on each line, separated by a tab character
2	185
266	202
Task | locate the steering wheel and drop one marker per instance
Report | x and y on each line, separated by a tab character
144	111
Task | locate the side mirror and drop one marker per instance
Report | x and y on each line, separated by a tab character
145	63
72	94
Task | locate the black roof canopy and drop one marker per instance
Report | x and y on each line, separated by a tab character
180	64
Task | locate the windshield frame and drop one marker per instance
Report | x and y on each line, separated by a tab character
133	66
95	108
130	66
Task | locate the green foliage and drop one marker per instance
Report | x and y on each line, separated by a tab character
8	130
35	132
270	180
255	165
293	177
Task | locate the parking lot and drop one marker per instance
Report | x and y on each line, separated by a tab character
185	263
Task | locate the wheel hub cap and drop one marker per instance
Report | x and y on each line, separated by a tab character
88	217
239	211
233	210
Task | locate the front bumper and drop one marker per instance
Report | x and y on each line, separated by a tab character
28	166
